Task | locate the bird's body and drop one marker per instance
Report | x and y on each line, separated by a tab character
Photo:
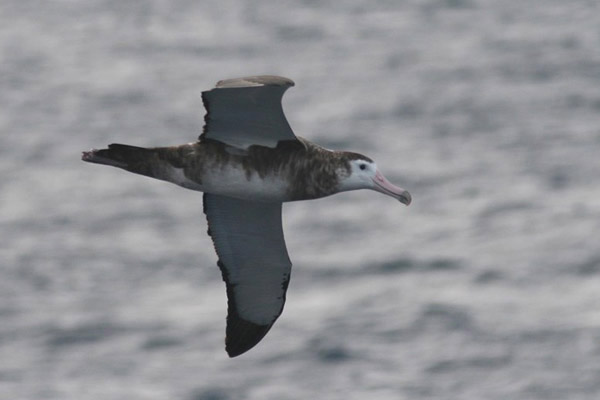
294	170
248	162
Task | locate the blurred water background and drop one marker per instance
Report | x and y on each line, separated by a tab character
486	287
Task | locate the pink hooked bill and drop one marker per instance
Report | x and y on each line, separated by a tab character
386	187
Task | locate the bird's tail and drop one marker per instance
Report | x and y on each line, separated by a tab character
131	158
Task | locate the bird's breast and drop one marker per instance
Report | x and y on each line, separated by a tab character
286	173
234	180
213	167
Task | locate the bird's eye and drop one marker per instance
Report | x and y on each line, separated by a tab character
362	166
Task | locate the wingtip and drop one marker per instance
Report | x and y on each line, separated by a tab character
243	335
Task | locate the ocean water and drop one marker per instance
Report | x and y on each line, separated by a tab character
486	287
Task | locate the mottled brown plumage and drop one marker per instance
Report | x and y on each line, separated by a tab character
309	170
248	162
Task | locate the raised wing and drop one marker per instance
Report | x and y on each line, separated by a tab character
248	238
245	111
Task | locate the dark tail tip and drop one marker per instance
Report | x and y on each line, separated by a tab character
88	155
99	157
117	155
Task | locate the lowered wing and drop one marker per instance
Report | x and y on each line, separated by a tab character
254	262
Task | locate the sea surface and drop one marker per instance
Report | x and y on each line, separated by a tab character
486	287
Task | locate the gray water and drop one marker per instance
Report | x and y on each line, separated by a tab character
486	287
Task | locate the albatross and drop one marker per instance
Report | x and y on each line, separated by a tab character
247	162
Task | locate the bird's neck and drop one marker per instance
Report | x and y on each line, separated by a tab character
316	172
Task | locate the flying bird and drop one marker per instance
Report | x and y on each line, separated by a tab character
248	161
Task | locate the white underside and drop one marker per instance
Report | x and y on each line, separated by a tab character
233	182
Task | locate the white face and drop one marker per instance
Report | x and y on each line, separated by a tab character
365	175
362	173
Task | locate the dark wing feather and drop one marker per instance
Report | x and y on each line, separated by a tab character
248	239
247	111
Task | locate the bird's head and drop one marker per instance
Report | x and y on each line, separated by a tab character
363	174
